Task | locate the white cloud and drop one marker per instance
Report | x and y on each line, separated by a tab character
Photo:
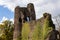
9	4
56	21
41	6
5	18
12	20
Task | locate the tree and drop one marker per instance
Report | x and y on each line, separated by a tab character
57	21
7	30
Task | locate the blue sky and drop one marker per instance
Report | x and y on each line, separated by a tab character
5	13
41	6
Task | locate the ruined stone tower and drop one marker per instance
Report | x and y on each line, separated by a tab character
22	15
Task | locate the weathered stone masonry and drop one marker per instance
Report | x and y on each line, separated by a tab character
22	14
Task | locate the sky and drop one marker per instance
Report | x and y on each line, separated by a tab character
41	6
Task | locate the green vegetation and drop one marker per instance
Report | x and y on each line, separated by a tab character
46	29
25	31
6	30
39	33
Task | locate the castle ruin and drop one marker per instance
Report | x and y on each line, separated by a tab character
27	14
22	15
